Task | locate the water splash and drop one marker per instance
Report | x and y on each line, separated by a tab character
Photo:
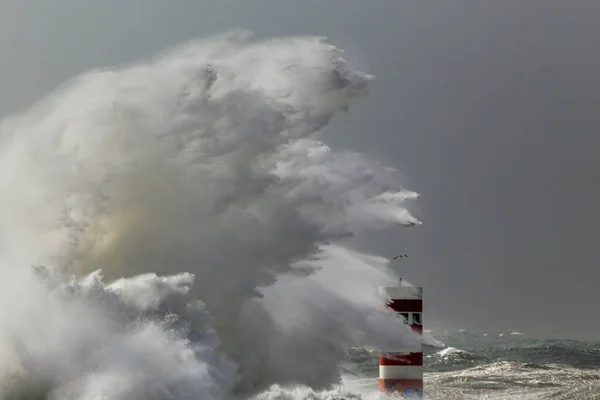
202	165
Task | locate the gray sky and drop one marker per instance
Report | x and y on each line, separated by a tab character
489	108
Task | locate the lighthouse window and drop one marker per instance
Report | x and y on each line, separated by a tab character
405	315
416	318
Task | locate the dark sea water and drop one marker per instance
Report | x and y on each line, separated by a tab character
511	366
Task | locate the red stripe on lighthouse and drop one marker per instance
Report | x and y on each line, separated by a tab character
401	359
406	305
417	328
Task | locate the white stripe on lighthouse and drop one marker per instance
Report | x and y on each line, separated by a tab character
400	372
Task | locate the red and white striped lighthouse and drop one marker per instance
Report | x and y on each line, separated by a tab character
401	371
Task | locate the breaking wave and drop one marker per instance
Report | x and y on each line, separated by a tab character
185	223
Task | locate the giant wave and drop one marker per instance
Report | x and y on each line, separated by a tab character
184	223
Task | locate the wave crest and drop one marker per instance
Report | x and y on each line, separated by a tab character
203	162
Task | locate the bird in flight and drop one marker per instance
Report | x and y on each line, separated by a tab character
400	256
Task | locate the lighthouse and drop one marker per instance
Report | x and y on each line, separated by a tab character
401	371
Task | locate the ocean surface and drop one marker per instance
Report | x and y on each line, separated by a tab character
503	366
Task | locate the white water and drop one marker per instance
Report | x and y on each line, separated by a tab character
195	184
